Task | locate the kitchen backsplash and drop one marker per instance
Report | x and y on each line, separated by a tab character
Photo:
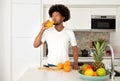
84	39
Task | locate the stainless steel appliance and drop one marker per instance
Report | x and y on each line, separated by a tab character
103	22
92	50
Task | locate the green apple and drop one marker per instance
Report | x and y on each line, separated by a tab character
101	72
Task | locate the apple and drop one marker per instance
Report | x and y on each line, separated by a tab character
83	66
86	66
101	72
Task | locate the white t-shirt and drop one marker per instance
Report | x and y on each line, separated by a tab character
58	43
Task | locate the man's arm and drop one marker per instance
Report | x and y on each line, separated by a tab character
37	41
75	54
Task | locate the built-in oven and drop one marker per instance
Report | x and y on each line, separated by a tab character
103	22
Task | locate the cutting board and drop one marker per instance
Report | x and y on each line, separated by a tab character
49	69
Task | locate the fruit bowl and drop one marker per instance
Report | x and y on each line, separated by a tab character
94	78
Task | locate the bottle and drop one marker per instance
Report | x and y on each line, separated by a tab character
49	23
92	48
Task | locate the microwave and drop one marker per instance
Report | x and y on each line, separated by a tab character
103	22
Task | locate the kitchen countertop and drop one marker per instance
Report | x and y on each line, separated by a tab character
34	74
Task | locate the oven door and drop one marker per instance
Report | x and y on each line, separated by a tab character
103	24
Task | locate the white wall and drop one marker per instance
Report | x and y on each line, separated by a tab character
19	24
5	40
115	36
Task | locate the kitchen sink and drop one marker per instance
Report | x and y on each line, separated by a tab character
117	73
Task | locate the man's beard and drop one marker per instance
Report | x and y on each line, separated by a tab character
57	23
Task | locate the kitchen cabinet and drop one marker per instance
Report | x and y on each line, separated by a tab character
82	2
44	61
25	26
92	2
26	1
103	11
26	20
54	2
80	19
24	56
45	13
81	15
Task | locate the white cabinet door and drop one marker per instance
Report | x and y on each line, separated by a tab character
87	2
26	1
45	13
25	26
26	20
54	1
80	19
24	55
103	11
80	2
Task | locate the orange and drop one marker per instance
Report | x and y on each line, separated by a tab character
89	72
60	65
95	73
67	63
67	68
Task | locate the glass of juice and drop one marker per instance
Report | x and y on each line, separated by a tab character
49	23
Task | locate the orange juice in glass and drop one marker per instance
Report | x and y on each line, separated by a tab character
49	23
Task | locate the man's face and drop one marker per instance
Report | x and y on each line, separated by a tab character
57	18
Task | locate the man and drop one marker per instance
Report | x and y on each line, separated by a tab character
58	37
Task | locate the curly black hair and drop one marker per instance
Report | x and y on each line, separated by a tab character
62	9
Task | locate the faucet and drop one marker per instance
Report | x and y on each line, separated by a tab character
112	62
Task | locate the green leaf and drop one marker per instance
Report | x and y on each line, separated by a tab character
102	47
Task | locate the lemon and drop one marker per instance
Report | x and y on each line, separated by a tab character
101	72
89	72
